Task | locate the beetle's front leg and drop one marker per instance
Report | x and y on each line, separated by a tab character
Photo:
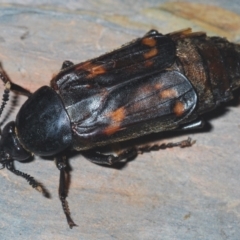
63	189
38	186
14	87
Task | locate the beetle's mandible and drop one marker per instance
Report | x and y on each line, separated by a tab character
155	83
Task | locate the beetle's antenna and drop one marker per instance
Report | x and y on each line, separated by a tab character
38	186
6	93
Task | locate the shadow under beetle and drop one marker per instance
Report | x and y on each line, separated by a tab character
155	83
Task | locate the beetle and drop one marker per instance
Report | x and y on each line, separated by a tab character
153	84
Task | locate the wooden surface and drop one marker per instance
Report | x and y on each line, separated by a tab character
190	193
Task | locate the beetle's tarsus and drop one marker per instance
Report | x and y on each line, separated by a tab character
184	143
63	188
187	143
67	212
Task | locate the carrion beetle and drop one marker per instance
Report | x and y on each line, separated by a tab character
155	83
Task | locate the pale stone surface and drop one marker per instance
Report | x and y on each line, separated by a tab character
190	193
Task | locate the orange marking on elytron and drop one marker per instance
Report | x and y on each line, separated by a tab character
92	69
111	129
116	118
179	108
151	42
118	115
153	52
168	93
95	70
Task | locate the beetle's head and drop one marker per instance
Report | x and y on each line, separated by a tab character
10	147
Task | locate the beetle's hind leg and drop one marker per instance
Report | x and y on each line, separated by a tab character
148	148
63	187
109	159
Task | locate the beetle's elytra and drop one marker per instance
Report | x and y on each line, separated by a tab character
153	84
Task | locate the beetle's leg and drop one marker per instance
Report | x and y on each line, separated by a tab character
109	159
14	86
66	64
20	90
156	147
38	186
63	189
